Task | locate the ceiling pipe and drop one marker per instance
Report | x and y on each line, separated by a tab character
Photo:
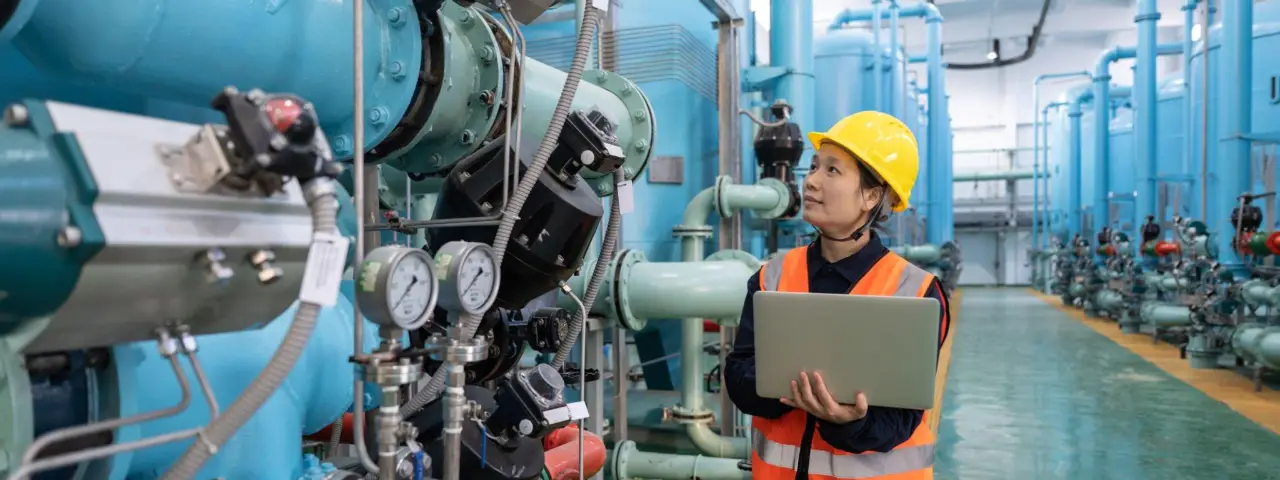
1030	51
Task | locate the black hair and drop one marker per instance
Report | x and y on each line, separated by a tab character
869	180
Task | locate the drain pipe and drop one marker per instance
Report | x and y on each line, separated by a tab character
1102	122
1234	114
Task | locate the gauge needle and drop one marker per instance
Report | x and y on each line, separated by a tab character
407	289
473	281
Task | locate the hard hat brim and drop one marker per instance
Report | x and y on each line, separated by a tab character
819	138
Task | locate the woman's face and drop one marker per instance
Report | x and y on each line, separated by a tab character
834	200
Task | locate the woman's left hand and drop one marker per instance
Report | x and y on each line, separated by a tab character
813	397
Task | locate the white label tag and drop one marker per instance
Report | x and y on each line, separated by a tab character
626	197
326	263
602	5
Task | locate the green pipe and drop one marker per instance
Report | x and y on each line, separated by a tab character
1258	293
980	177
1108	300
629	462
919	254
1163	315
1257	343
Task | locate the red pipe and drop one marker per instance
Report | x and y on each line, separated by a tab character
347	431
562	454
710	326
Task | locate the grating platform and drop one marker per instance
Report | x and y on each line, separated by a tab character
1034	394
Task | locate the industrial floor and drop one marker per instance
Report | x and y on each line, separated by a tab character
1037	391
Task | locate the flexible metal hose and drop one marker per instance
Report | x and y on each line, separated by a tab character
597	277
471	323
324	218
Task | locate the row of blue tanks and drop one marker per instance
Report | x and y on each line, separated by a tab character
1193	262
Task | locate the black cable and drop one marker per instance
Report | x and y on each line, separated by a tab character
1026	54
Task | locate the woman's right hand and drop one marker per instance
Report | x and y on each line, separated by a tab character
817	400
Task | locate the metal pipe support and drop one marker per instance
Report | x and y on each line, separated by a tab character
629	462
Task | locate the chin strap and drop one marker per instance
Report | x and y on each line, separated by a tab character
860	231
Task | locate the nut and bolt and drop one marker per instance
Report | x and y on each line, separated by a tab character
486	97
215	272
397	70
468	137
396	16
342	145
486	54
69	237
263	260
378	115
16	115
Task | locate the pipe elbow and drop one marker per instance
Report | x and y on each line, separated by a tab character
696	213
931	12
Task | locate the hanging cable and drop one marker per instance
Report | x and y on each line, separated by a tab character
1026	54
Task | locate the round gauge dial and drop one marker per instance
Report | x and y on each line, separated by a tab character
470	273
397	287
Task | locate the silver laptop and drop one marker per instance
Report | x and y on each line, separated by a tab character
885	347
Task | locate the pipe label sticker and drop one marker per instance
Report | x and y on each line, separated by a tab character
626	198
326	262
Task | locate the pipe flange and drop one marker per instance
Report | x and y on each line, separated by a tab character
684	416
703	231
784	196
620	455
747	259
393	373
722	196
444	349
621	280
643	128
436	148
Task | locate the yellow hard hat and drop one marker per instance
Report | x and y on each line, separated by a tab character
882	143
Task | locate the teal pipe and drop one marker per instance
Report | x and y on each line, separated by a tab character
1108	300
1163	315
1258	293
687	289
1035	150
629	462
919	254
1257	343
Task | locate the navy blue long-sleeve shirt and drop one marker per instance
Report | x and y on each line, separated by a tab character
883	428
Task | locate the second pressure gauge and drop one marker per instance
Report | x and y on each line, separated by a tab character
468	277
397	287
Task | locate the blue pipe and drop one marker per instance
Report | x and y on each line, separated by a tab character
919	58
18	19
1075	183
876	68
1036	216
1045	217
791	47
165	49
1144	105
1235	117
1188	123
1102	119
896	92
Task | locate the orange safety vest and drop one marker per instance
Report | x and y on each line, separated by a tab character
776	443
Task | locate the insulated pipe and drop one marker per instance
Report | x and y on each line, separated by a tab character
1102	123
1036	217
791	47
1234	114
629	462
1257	343
1144	105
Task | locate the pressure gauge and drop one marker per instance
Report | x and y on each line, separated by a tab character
468	275
397	287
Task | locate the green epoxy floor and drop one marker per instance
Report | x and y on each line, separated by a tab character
1034	394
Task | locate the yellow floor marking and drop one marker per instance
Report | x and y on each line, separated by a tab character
1229	387
944	363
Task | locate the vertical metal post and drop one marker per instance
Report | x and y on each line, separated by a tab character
728	93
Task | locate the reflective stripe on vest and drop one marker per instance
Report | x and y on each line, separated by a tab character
870	465
777	442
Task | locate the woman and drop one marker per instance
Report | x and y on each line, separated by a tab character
867	162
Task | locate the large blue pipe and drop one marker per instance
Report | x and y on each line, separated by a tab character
1045	217
876	67
1102	119
897	93
1144	105
791	47
166	49
1075	144
1036	216
939	226
1234	87
1188	123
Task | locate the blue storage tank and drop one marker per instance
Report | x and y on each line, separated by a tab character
1172	165
1264	107
1087	165
1058	135
1120	166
